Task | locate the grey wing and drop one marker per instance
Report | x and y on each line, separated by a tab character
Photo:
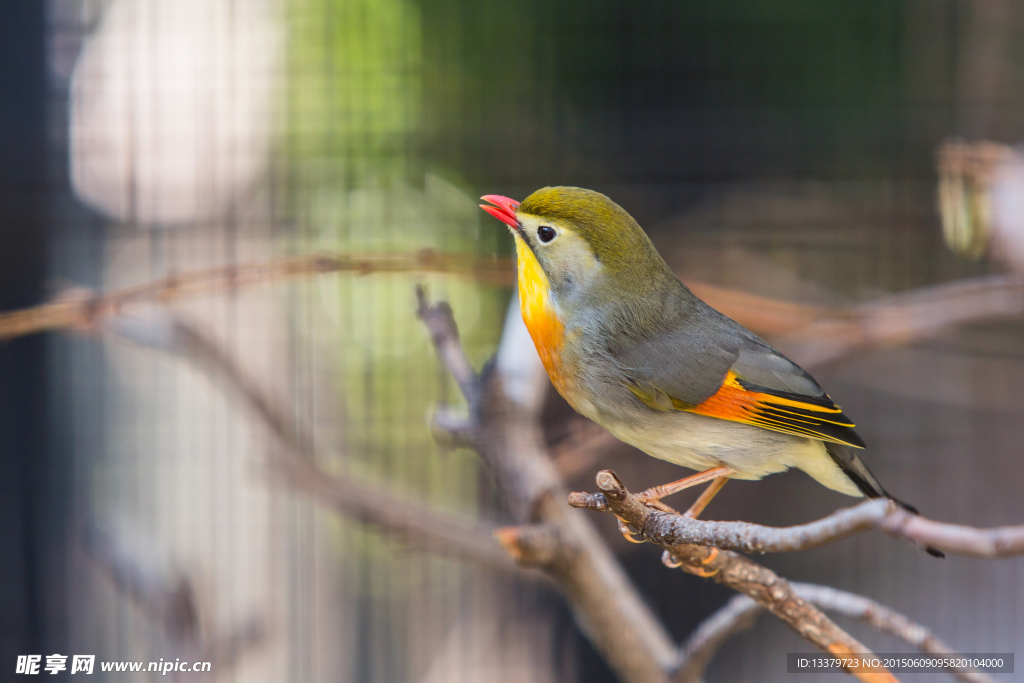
690	363
686	366
760	364
681	368
791	400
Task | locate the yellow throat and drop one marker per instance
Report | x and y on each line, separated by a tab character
540	313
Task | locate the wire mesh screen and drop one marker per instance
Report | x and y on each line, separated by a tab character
787	152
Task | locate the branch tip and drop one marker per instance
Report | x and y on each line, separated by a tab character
452	429
444	334
588	501
611	486
761	584
530	544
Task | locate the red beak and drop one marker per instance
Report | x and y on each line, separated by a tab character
504	209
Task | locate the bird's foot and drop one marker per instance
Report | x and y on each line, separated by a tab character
673	562
704	573
627	531
707	573
656	493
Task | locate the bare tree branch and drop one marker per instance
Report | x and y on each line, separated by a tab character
955	539
440	322
764	586
452	428
740	613
535	545
884	619
84	309
171	602
813	335
556	539
736	616
295	459
506	437
902	318
503	426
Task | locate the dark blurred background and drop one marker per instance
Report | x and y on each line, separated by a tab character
787	150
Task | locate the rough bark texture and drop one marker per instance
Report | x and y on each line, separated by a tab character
954	539
764	586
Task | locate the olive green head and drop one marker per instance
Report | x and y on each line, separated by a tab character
578	235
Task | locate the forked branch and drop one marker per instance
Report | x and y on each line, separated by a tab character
82	308
504	405
504	427
566	547
296	461
740	613
954	539
811	335
743	575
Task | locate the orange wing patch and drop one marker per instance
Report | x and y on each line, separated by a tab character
817	418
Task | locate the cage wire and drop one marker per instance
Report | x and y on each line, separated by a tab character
787	153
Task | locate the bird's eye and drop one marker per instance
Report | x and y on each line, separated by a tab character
546	233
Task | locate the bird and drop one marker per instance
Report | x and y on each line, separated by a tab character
629	346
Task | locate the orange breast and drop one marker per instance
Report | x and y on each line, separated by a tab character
541	315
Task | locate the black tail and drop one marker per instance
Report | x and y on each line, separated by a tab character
851	464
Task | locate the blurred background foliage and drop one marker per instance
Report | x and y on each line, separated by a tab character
785	149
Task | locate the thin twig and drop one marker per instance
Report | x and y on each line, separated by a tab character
740	613
832	335
168	600
886	620
558	540
506	432
532	545
171	602
740	573
954	539
812	335
736	616
85	309
439	321
295	459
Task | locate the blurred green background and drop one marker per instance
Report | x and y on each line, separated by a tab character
783	149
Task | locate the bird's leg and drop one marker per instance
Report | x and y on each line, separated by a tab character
705	498
656	493
627	531
652	496
698	507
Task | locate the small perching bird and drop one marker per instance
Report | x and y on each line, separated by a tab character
630	347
